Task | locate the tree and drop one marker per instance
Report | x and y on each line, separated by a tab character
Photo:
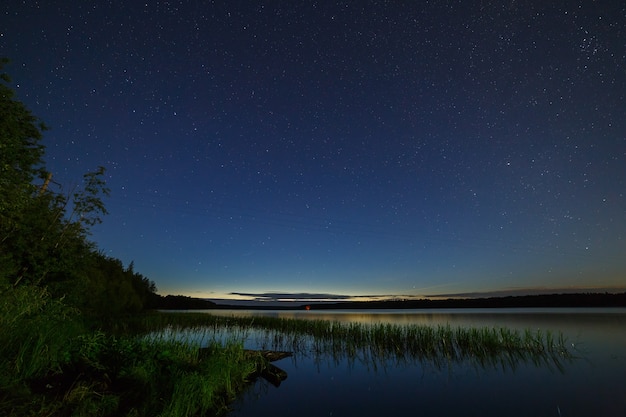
40	236
88	205
21	161
21	151
44	233
49	243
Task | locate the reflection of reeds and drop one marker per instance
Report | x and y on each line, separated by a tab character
376	344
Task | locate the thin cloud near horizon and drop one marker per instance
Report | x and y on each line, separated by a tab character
277	296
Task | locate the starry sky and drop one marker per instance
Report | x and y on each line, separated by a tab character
339	149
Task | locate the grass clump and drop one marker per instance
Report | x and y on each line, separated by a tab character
195	394
35	331
52	365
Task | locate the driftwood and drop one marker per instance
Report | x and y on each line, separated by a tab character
271	373
270	355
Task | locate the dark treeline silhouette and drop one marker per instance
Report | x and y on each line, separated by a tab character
46	257
524	301
180	302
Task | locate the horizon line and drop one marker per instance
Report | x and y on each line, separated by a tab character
288	298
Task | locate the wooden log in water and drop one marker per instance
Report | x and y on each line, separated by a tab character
271	373
270	355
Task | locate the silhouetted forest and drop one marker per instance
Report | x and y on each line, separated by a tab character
46	257
180	302
525	301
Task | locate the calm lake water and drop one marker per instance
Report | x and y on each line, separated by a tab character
594	384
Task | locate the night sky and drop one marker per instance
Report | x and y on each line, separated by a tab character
338	149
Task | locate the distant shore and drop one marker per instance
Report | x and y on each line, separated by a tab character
523	301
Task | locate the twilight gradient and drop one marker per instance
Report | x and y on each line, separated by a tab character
328	150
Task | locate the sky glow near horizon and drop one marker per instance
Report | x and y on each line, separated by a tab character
365	148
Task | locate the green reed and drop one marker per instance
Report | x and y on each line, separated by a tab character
377	343
52	364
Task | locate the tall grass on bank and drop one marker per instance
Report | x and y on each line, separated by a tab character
36	332
378	343
51	365
110	376
172	378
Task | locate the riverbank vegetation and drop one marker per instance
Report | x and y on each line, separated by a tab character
53	366
59	296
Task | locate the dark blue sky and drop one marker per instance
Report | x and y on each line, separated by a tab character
366	148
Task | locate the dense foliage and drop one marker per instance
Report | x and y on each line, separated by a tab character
181	302
58	291
44	228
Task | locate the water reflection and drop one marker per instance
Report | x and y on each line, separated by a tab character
351	386
440	346
374	341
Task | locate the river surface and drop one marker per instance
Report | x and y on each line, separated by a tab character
592	384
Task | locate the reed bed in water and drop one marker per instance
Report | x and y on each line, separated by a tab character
379	343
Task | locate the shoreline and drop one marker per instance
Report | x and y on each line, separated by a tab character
568	300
